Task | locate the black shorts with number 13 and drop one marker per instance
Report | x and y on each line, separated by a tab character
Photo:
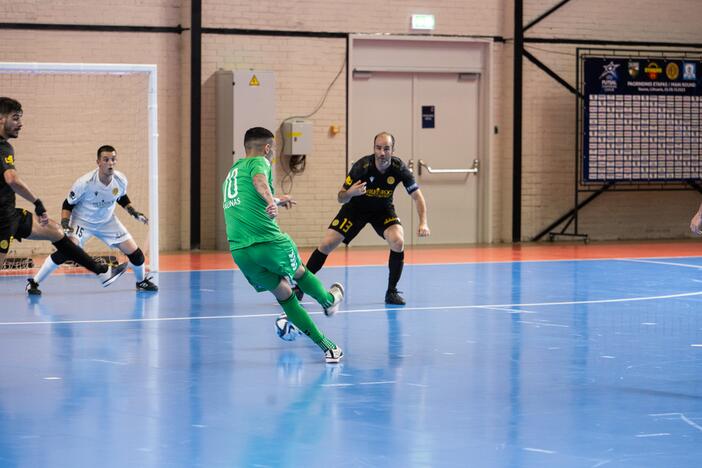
350	220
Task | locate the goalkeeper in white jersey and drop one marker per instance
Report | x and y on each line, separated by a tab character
89	211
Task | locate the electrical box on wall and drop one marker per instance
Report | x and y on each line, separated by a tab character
297	137
244	99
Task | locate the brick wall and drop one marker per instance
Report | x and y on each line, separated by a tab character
76	47
305	66
549	120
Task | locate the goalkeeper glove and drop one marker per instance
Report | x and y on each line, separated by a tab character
137	215
65	224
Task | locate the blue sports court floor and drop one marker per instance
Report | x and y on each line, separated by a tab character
591	363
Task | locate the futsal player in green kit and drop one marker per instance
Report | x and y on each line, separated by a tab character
266	256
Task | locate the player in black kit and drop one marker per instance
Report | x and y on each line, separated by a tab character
17	224
367	198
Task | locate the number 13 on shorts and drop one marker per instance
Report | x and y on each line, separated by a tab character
345	225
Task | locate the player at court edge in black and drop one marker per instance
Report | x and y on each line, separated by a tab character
367	196
19	224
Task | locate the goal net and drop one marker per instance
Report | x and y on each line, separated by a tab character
70	110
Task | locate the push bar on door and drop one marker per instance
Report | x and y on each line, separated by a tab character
474	170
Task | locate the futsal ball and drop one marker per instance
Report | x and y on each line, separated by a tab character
285	330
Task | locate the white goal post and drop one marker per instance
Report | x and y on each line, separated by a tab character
117	68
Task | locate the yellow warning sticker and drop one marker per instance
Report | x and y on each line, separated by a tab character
254	81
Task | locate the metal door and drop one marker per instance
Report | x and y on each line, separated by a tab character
435	119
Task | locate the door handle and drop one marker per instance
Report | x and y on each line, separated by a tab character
473	170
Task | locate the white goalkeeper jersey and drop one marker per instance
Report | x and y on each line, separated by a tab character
93	201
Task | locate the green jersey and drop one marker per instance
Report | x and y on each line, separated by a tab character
244	209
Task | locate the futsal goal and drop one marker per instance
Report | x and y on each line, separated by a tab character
70	110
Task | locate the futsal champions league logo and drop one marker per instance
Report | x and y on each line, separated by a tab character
609	77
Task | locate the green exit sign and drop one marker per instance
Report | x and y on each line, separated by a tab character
423	22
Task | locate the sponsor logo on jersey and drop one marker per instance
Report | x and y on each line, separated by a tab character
372	178
335	222
348	180
115	191
4	244
379	193
653	70
391	180
672	70
72	195
10	159
390	220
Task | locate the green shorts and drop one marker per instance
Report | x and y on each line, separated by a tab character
266	263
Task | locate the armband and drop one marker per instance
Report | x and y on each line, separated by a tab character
66	206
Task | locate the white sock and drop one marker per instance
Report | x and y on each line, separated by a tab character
139	271
46	269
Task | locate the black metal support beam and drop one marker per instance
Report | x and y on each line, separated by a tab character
551	73
572	212
610	42
517	126
92	28
546	14
195	121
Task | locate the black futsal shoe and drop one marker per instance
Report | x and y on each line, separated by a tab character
146	285
392	296
33	287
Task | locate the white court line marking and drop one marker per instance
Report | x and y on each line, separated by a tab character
681	416
360	311
638	260
380	382
696	345
544	324
660	434
110	362
648	323
608	357
52	378
531	449
511	311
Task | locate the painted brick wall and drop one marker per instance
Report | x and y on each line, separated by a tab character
549	120
361	16
161	49
304	68
125	12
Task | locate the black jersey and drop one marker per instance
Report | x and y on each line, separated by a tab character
7	195
379	186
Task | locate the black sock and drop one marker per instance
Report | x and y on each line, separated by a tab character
58	258
396	261
316	261
72	252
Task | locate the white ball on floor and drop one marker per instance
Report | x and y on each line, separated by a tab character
285	330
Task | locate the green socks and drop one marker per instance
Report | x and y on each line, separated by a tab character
301	319
311	286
